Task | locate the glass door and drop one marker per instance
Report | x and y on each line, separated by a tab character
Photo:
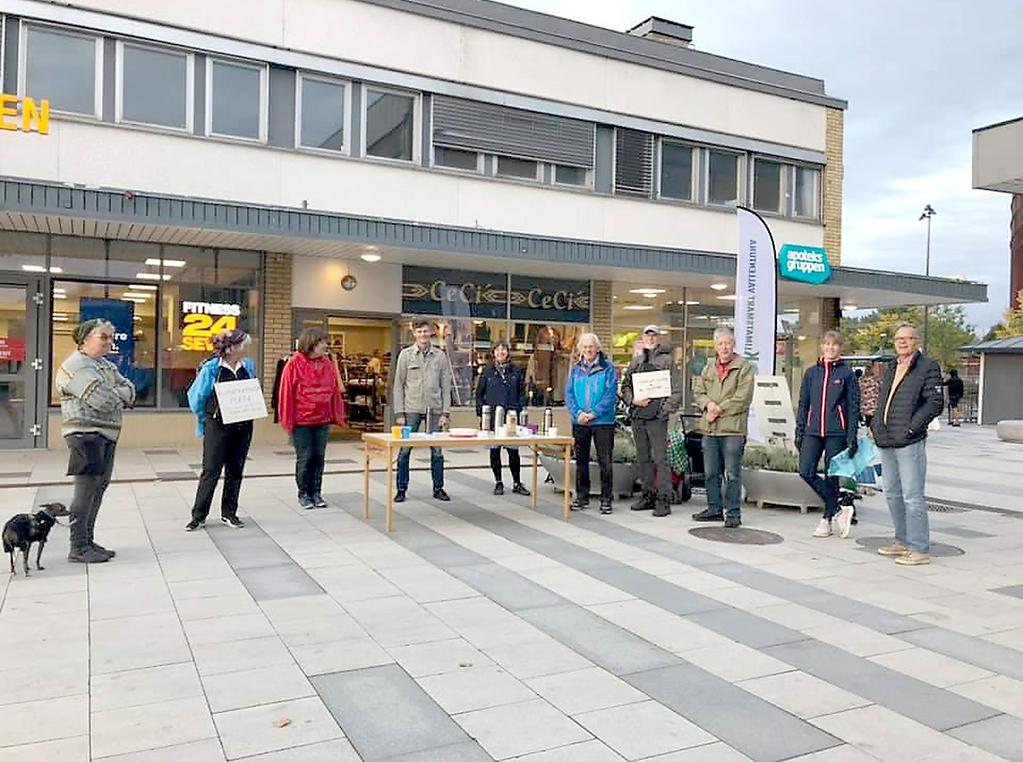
20	365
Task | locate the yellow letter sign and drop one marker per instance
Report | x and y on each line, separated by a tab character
34	118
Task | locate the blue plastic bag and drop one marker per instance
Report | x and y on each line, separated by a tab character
843	465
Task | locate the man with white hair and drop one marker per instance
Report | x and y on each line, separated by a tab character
724	392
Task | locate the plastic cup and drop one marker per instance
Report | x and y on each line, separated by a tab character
396	432
406	432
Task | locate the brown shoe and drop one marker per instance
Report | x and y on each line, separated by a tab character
913	558
894	550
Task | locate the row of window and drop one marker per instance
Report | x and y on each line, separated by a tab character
155	87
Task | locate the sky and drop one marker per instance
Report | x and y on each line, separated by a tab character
919	76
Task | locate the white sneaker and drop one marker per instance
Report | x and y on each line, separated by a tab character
823	528
845	517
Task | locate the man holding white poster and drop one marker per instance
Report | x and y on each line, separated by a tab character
652	387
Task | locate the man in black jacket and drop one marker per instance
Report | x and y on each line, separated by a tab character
650	420
911	397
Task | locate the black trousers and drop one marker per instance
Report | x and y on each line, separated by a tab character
88	495
652	450
224	448
809	456
514	463
310	449
604	438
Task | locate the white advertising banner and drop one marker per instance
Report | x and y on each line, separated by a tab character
756	298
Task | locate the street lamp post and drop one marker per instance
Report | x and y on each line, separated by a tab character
926	215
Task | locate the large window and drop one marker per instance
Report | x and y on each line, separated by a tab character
155	86
63	67
236	99
676	171
390	124
768	186
806	192
722	178
322	109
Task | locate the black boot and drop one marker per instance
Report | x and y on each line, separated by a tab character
581	503
88	555
646	502
662	507
708	515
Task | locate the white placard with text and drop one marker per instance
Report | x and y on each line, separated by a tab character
651	385
240	400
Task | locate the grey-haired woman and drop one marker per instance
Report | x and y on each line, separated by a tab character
225	446
93	395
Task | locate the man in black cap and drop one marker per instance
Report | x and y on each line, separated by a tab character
650	419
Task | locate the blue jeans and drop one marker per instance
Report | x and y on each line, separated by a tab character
722	459
414	420
905	470
809	456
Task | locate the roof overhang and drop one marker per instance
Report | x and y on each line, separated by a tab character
123	215
998	157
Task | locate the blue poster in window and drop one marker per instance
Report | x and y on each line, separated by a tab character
122	314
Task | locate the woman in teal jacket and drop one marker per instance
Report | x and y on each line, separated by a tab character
591	395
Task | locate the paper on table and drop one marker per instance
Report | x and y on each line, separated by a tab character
652	384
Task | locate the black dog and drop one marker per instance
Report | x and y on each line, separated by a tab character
25	528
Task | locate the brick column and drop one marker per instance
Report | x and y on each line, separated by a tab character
831	212
600	313
277	339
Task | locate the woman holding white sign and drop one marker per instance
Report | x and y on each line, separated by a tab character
225	446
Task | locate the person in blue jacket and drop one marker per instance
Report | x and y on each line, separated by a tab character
225	446
502	383
827	423
591	394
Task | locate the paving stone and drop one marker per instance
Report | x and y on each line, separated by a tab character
586	751
585	690
138	728
59	750
368	701
801	694
1002	735
208	750
338	750
478	687
261	729
516	729
152	685
66	717
237	690
643	729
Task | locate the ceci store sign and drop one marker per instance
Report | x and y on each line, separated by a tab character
201	321
808	264
24	114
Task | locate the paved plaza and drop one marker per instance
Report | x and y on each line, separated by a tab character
481	630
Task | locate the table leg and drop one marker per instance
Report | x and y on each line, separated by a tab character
390	488
536	457
365	482
568	471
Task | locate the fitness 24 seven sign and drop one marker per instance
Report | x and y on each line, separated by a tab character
808	264
201	321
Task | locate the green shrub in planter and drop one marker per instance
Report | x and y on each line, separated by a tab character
770	459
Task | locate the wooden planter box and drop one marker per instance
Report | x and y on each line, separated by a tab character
623	475
779	488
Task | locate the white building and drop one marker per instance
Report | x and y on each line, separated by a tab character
564	176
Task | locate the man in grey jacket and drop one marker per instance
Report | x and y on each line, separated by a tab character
650	420
422	394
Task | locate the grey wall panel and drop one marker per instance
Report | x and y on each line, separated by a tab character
281	126
199	127
605	159
12	28
487	127
1003	388
109	78
355	119
426	130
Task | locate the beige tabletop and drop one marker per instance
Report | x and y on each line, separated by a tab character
385	445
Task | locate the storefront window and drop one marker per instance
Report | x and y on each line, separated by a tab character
204	291
23	252
133	314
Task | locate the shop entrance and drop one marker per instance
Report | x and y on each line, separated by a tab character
362	348
21	364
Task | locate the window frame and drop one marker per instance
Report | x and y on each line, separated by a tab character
23	32
537	178
460	170
264	99
587	183
696	168
346	117
417	124
740	186
817	197
189	85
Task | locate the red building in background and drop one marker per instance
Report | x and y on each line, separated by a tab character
1016	252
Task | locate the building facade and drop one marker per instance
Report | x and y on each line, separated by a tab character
354	164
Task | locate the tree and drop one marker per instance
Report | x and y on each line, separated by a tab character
946	326
1012	322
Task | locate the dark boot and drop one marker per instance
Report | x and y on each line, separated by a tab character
662	507
87	556
646	502
708	515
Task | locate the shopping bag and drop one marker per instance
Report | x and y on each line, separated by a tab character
843	465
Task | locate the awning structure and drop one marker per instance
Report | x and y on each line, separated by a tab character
124	215
998	157
1011	346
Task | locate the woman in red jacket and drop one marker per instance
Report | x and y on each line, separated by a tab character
310	401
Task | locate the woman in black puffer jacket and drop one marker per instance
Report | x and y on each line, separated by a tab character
503	384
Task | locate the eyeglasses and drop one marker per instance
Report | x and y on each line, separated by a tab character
105	336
